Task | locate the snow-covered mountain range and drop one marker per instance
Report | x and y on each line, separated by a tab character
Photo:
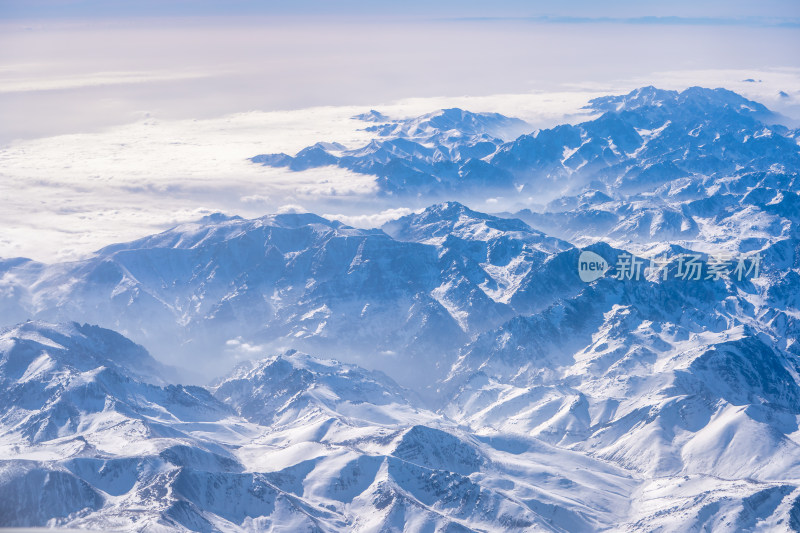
299	281
296	443
462	376
640	141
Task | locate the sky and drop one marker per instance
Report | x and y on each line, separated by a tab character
717	9
121	118
71	66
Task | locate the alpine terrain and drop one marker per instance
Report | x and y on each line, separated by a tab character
616	350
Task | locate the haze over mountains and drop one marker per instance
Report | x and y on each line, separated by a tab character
461	376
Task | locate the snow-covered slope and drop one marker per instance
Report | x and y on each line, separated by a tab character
640	141
293	443
485	387
317	445
433	154
228	284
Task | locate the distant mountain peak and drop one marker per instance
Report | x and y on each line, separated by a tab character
371	116
450	209
693	98
296	220
453	211
216	218
448	152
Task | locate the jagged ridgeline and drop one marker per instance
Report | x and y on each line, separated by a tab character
93	438
639	142
462	376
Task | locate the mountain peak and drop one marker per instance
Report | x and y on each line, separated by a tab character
217	218
371	116
435	220
80	347
442	124
277	389
452	219
451	210
692	99
296	220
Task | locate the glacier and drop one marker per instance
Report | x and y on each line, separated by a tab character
449	371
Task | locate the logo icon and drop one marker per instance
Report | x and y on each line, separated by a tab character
591	266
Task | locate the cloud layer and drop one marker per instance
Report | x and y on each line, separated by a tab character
67	195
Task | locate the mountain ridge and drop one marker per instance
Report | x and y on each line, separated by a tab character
470	378
629	148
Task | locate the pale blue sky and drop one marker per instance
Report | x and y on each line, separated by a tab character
76	65
719	10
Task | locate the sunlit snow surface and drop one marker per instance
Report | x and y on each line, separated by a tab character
292	442
461	378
